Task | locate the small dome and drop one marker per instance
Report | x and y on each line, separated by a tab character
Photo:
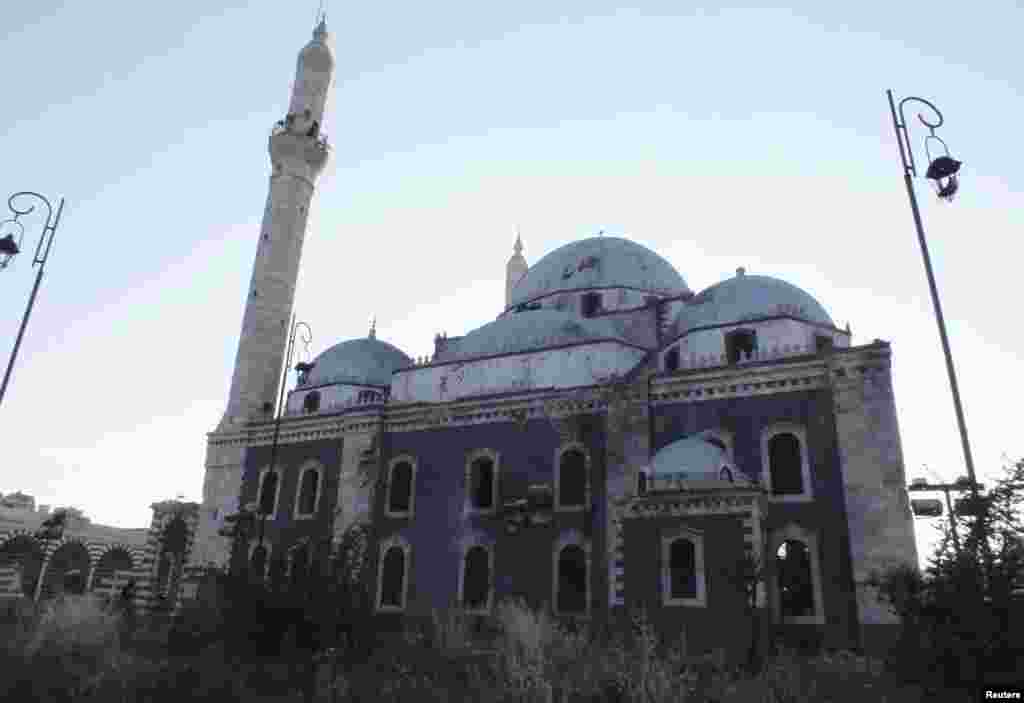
360	361
746	297
599	262
693	458
533	329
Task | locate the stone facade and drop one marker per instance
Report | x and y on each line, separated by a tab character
522	460
91	558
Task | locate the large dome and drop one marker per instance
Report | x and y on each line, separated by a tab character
533	329
599	262
746	297
360	361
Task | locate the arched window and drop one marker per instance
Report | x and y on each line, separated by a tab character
309	492
796	591
400	489
641	483
258	564
572	580
572	479
393	575
476	578
785	464
672	359
785	467
740	343
725	474
268	493
482	480
823	344
299	567
590	304
795	581
311	403
682	564
682	556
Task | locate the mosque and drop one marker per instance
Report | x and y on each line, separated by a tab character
612	439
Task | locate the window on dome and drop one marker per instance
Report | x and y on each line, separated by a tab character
641	483
739	344
823	344
717	442
572	580
725	474
590	304
672	360
311	403
482	483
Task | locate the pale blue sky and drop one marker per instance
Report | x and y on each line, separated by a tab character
720	138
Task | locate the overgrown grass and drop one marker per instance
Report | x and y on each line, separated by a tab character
76	649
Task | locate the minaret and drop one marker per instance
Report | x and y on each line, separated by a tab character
298	152
515	269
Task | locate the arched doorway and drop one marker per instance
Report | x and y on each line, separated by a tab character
170	563
67	571
21	560
112	571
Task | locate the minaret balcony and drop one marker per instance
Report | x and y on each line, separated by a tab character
288	143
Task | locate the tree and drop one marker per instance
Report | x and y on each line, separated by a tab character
956	614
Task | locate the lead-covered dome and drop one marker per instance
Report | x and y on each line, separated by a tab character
533	329
694	458
366	361
598	262
745	297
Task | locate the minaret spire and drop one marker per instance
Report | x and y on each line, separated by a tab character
515	269
373	328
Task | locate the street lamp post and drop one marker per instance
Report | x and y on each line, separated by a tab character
9	247
942	171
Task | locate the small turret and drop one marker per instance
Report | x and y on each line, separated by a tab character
515	269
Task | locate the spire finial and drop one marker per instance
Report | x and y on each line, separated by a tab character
518	246
373	328
321	22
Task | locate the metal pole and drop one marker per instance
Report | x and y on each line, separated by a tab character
50	229
952	521
42	572
908	169
21	333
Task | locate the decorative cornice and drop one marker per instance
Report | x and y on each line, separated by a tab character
784	375
691	503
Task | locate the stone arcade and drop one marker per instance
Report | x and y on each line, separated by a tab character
611	439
